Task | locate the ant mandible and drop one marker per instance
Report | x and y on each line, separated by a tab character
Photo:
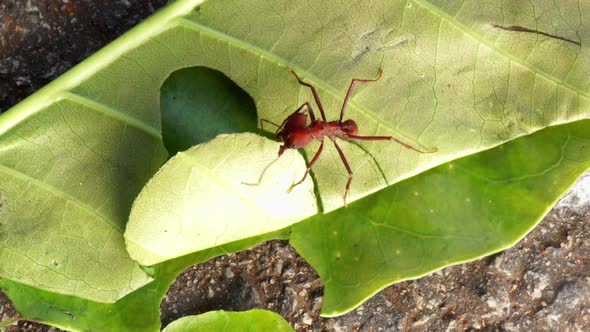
297	134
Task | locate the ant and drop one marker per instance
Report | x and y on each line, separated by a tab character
295	133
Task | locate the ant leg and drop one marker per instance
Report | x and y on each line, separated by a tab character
313	91
313	160
388	138
347	169
352	84
262	121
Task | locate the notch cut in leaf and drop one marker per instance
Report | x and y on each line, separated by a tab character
199	103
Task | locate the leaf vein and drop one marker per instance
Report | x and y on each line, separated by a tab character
47	187
112	113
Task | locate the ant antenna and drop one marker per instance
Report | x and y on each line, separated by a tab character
262	174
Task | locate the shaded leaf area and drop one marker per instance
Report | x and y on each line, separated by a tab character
199	103
456	212
252	320
138	311
212	194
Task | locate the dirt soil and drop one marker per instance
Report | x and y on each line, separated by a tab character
41	39
541	284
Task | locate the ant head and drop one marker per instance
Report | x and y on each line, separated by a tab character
349	127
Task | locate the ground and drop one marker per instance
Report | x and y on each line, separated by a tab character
541	284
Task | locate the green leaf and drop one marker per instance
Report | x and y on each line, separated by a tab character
446	85
185	206
66	193
451	81
458	76
490	86
6	323
138	311
73	157
457	212
252	320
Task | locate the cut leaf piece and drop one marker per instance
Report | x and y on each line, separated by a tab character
199	103
252	320
209	195
454	213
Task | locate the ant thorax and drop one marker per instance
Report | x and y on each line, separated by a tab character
297	138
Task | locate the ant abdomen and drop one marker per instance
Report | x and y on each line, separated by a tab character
349	127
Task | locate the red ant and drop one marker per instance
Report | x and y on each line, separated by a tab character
296	133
